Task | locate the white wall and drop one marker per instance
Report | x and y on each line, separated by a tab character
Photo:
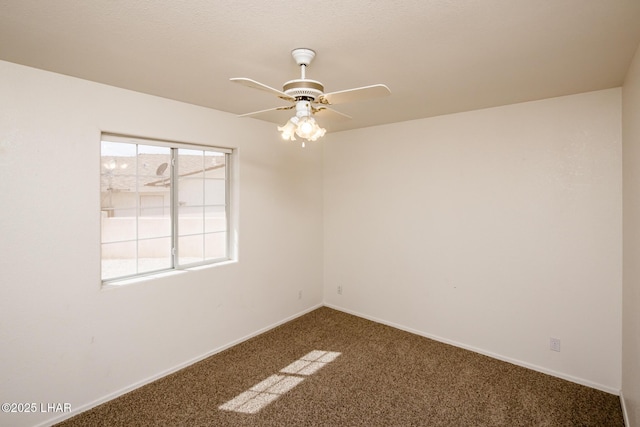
631	271
63	338
493	229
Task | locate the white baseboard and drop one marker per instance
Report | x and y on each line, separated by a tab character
537	368
169	371
625	414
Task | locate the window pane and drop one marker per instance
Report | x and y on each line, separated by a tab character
117	191
190	211
215	219
202	199
150	227
191	249
214	190
190	191
154	189
154	254
153	163
119	204
117	177
154	205
215	245
190	171
191	226
115	229
190	161
215	167
190	221
118	260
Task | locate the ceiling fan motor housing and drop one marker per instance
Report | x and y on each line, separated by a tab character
303	89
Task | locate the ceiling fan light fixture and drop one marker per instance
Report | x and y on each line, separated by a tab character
309	129
319	133
289	129
302	124
305	127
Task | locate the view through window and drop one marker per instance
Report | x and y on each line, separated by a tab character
163	205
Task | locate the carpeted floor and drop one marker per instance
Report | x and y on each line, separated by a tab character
381	377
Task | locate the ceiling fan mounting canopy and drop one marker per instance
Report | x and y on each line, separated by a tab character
303	56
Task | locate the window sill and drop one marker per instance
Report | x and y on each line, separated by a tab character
116	284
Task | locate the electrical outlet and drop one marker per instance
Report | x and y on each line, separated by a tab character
300	294
339	290
554	344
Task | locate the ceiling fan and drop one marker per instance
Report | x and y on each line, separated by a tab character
308	98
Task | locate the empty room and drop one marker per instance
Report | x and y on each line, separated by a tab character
356	213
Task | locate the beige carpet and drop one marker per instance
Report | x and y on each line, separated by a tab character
341	370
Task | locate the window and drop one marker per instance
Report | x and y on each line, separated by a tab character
164	206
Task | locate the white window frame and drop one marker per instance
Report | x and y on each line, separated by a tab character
174	204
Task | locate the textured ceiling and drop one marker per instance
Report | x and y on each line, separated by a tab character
436	56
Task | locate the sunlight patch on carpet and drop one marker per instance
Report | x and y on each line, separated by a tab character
265	392
310	363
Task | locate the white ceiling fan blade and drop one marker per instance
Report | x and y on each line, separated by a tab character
329	113
257	85
356	94
257	113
